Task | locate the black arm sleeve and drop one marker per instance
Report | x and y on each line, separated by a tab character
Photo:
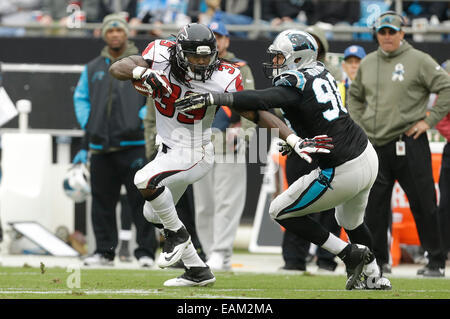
252	100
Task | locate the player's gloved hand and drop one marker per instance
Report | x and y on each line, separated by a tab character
284	148
156	81
194	101
81	157
317	144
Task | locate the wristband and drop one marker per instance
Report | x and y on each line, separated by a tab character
138	71
292	140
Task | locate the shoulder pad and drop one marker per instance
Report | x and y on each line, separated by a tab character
290	78
157	50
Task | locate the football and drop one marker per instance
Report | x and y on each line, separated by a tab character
140	87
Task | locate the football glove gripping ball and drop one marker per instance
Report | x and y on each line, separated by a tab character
317	144
156	81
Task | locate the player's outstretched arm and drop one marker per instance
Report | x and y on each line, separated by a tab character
251	100
123	69
303	147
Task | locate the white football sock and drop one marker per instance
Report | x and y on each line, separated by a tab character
372	269
190	257
164	207
334	244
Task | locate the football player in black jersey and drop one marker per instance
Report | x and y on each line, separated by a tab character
310	100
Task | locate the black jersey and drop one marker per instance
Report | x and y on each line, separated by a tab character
312	105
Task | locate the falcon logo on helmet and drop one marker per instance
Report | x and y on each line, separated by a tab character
298	48
196	42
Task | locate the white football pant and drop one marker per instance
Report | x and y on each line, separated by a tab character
350	184
175	169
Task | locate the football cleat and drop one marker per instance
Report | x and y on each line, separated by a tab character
354	260
174	245
98	260
372	283
194	276
146	262
431	271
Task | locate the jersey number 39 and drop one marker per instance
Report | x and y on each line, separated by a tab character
167	108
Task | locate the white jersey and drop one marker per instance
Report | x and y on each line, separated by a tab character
191	128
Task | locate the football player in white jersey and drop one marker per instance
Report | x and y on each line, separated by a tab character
171	70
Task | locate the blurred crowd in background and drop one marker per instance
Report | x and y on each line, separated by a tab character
16	15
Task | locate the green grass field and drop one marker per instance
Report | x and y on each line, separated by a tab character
54	283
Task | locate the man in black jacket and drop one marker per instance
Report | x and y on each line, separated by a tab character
110	112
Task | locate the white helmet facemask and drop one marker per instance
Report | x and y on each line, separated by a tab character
298	48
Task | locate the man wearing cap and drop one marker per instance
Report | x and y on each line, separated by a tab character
388	99
110	112
352	59
220	196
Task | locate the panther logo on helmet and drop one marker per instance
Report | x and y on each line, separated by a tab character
76	183
299	49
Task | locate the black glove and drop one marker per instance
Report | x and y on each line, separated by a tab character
194	101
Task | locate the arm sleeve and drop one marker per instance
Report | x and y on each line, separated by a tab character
81	99
274	97
436	80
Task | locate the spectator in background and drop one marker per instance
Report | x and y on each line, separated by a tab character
110	112
14	13
425	9
102	8
160	12
220	195
388	99
352	59
334	12
279	12
214	12
444	179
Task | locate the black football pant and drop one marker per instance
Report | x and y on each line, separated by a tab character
186	212
444	203
125	213
414	174
109	171
294	248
